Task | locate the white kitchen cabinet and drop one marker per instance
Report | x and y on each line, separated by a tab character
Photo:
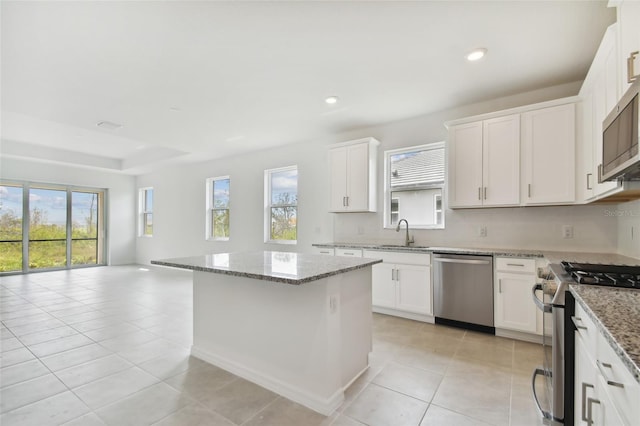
484	163
605	392
401	285
512	289
352	171
327	251
347	252
628	19
549	154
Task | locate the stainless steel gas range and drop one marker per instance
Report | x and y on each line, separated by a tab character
555	399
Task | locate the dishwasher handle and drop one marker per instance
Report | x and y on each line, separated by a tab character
463	261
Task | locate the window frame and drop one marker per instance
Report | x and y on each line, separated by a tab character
388	190
210	206
143	212
268	205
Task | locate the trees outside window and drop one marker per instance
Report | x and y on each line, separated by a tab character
281	205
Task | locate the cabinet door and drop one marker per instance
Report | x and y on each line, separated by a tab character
465	165
383	286
514	309
414	288
501	161
584	384
358	178
628	18
548	138
338	179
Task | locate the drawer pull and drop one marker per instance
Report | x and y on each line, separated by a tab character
590	402
601	366
584	400
575	320
515	264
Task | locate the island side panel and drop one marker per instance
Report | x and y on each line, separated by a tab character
287	338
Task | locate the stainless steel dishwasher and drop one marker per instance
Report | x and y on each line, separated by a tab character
463	291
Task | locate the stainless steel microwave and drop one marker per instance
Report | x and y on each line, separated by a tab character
620	156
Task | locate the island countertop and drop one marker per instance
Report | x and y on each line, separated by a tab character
281	267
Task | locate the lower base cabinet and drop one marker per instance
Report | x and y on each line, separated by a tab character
402	282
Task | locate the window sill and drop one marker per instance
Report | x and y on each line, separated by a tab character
285	242
217	239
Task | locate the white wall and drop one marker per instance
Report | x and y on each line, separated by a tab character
121	199
179	192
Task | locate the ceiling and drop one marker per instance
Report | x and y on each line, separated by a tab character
190	81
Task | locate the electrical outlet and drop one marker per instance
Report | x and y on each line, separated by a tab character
567	231
632	232
333	304
482	231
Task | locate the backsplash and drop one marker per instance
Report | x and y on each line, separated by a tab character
628	217
595	228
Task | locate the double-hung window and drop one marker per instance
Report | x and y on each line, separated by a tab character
218	210
281	205
145	203
414	186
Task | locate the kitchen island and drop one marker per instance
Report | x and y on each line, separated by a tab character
296	324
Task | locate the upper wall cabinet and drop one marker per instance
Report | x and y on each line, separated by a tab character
548	158
522	156
484	163
352	170
628	19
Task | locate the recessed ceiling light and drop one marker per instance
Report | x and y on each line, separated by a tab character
476	54
109	125
331	100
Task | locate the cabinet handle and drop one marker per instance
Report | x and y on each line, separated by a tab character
589	185
397	274
393	275
499	285
590	402
516	264
529	191
584	401
575	320
347	197
631	77
601	365
485	192
479	193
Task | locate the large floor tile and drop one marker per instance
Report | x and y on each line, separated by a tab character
23	393
112	388
74	357
15	356
47	335
110	331
54	410
283	412
198	382
378	406
10	344
61	344
415	382
81	374
171	364
239	401
438	416
90	419
144	407
194	414
22	372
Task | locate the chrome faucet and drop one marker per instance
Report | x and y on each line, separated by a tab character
407	240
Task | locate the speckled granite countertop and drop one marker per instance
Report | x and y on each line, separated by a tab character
281	267
549	255
616	312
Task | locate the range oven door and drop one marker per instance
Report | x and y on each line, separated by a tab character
543	390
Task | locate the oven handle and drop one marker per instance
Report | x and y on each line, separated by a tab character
539	372
544	307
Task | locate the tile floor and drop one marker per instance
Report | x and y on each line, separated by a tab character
110	345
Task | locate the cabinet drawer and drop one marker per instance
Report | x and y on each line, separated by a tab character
348	252
621	386
514	264
397	257
324	250
586	329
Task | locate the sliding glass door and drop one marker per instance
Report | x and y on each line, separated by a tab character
45	227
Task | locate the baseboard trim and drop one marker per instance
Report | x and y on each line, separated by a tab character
519	335
325	406
403	314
